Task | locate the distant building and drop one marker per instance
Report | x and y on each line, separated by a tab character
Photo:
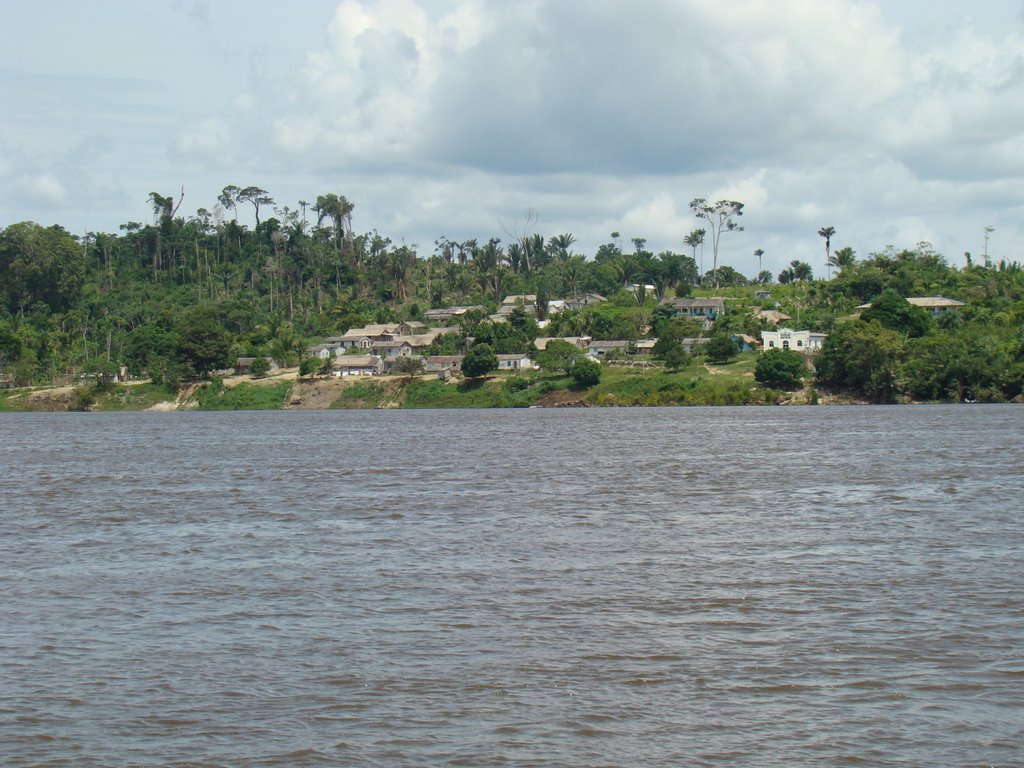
787	338
702	309
935	305
356	365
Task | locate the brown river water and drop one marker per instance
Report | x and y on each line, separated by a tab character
832	586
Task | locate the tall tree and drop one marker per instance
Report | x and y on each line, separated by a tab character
255	197
759	253
827	233
694	239
228	197
721	217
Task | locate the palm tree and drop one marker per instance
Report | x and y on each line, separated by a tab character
827	233
694	239
560	244
844	258
759	253
801	270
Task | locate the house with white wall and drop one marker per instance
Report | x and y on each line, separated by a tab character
787	338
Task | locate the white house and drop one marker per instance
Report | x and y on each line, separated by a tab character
356	365
513	362
787	338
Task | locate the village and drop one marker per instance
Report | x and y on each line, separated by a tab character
404	347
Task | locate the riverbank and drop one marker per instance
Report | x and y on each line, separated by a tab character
698	384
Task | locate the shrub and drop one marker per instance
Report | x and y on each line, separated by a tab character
780	368
586	373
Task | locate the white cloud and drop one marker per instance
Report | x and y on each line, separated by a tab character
455	117
43	188
205	140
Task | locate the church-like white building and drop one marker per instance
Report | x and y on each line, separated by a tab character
787	338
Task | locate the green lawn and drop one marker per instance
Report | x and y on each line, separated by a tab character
243	397
137	397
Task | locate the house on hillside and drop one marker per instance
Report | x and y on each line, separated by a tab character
586	300
447	314
243	365
772	316
392	348
707	310
600	348
580	342
787	338
443	364
356	365
645	346
934	305
517	362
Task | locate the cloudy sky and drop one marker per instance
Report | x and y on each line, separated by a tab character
894	121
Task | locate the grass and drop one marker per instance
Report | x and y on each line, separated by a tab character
361	395
13	400
137	397
728	384
243	397
492	392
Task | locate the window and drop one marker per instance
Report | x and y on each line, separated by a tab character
799	343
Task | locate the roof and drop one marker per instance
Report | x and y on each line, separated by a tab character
933	301
526	298
711	302
522	356
927	302
541	342
610	344
771	315
355	361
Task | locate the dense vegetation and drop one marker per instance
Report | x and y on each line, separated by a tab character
182	297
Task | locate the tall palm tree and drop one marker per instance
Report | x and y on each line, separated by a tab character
694	239
827	233
759	253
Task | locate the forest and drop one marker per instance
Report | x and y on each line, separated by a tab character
182	296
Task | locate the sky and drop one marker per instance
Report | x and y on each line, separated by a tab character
894	121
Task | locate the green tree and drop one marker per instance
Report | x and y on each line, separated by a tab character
780	368
479	361
586	372
410	366
676	358
308	366
862	356
720	348
897	314
260	367
203	343
40	265
721	217
558	355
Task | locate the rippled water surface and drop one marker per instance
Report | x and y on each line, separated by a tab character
663	587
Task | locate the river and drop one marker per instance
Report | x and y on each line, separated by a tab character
827	586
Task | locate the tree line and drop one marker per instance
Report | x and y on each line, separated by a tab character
183	295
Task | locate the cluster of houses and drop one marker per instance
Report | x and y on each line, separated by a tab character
379	349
